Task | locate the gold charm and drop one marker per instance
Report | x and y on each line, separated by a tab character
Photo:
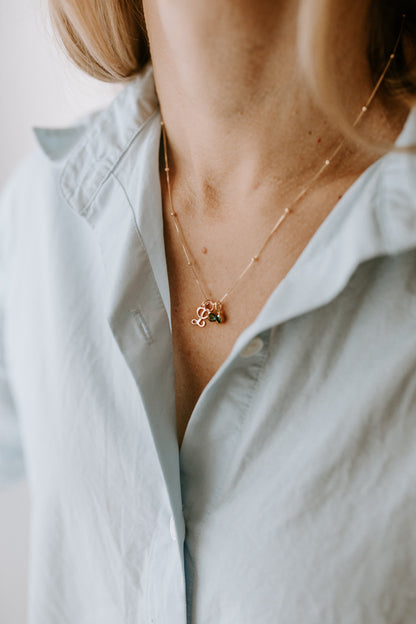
208	310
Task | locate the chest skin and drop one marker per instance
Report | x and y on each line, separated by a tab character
221	250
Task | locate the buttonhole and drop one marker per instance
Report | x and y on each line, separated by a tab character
142	325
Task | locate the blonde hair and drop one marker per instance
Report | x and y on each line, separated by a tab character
108	40
105	38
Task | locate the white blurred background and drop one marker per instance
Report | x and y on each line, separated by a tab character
39	87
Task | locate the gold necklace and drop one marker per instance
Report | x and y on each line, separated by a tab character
211	309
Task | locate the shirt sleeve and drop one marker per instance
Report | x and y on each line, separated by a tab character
11	451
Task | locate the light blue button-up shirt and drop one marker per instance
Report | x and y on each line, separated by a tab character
293	497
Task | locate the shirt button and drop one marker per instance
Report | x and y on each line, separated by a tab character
172	529
253	347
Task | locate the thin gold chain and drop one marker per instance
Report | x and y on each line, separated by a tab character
209	308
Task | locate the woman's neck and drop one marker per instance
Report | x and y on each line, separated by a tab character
240	118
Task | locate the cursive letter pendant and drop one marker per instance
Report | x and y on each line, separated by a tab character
211	310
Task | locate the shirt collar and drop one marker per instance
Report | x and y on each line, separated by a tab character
106	137
115	140
377	215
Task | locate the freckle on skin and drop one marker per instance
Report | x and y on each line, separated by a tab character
310	132
204	250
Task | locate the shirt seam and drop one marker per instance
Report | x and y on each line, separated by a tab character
68	196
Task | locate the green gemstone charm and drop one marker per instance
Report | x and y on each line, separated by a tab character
208	311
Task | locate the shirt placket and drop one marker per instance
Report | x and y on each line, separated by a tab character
138	320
